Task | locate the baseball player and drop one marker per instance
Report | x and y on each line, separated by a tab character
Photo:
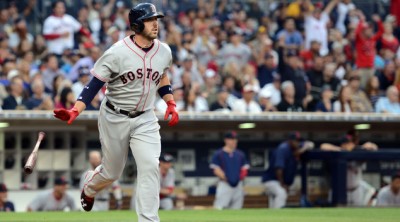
5	205
230	166
389	195
56	199
102	198
134	69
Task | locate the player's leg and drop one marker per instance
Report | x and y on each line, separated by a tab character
238	197
145	144
279	194
223	195
167	203
114	138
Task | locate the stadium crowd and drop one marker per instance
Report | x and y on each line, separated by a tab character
229	56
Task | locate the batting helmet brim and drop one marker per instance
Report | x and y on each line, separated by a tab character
155	14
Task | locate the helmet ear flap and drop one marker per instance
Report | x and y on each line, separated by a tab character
137	26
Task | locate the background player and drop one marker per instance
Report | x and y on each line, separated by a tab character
5	205
389	195
230	166
103	197
283	168
134	69
56	199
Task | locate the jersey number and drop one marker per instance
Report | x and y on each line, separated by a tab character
130	76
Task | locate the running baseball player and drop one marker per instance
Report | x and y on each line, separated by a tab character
134	69
230	166
102	198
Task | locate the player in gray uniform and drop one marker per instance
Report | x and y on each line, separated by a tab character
389	195
102	198
56	199
134	69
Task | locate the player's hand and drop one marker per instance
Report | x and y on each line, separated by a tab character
66	115
171	110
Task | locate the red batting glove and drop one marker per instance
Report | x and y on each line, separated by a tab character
66	115
171	110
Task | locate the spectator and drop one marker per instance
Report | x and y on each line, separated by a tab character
325	104
17	97
39	48
365	47
310	55
390	103
83	80
388	40
359	192
167	182
203	46
265	101
247	104
39	100
209	89
389	195
288	102
5	205
274	88
295	9
59	29
51	71
102	199
372	90
230	166
19	34
265	70
359	100
113	36
283	163
221	104
343	103
292	69
194	101
292	37
88	61
235	51
387	76
343	8
67	99
56	199
315	25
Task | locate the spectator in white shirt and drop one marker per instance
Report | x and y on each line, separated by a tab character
247	104
83	80
59	29
315	24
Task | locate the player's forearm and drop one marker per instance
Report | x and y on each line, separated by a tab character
167	191
219	173
165	90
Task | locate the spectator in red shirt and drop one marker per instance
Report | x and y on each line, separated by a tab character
365	47
388	40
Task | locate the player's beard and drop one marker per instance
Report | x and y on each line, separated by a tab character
150	35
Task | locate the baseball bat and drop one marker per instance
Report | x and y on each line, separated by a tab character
31	162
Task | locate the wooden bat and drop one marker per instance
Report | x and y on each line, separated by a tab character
31	162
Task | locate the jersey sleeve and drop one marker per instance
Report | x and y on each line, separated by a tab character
215	161
74	23
106	65
382	198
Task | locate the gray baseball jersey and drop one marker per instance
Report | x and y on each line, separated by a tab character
168	180
45	201
132	74
387	198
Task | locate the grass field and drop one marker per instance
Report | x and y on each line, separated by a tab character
262	215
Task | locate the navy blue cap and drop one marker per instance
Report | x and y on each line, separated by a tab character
168	158
295	136
346	139
230	135
60	181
